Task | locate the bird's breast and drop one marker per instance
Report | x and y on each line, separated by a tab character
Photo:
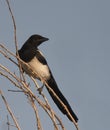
40	70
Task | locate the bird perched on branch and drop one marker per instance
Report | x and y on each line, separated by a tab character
30	54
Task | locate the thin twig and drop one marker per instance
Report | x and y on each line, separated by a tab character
8	123
10	79
36	113
15	39
10	111
15	91
6	56
14	24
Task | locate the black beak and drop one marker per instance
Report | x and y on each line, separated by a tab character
43	39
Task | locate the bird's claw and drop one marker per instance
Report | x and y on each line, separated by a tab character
40	89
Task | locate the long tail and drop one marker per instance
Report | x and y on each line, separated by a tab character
52	84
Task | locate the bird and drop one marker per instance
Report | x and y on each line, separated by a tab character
31	55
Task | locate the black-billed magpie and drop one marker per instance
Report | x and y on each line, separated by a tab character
30	54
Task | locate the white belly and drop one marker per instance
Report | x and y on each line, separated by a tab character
40	70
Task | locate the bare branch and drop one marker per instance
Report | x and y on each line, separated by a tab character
14	24
39	127
10	111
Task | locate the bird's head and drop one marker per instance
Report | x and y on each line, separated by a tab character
36	39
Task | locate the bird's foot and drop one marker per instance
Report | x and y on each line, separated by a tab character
40	89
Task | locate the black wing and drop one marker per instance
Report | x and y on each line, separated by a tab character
40	57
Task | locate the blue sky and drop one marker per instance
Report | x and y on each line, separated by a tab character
78	54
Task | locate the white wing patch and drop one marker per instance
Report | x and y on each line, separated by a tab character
41	70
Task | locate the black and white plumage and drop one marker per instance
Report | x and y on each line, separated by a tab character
30	54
